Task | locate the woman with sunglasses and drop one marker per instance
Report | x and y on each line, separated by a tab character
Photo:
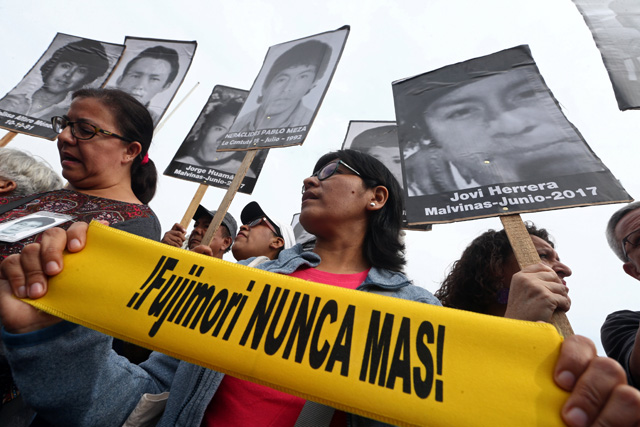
352	204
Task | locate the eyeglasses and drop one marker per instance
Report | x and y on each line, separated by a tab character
81	130
633	239
258	221
331	168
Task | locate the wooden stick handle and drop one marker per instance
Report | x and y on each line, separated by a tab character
526	254
193	206
228	198
7	138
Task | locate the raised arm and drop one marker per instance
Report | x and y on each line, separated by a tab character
535	293
69	374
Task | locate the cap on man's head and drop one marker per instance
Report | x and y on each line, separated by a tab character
253	211
228	220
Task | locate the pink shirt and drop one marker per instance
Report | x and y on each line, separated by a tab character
243	403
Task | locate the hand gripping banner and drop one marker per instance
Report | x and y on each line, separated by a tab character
397	361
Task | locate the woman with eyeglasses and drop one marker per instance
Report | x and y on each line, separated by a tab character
103	143
352	203
485	279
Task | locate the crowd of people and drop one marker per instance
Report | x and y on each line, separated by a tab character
58	373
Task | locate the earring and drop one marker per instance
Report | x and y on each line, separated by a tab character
372	204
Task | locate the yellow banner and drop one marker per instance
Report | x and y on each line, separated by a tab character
397	361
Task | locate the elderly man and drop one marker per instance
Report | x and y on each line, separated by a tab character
261	236
22	174
221	242
620	333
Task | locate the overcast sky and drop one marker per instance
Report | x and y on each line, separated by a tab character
388	41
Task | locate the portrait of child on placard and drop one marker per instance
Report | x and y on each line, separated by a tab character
287	92
198	160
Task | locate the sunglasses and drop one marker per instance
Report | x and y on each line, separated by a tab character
331	168
268	223
81	130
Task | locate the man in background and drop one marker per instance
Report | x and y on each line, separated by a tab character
620	333
221	242
260	236
22	174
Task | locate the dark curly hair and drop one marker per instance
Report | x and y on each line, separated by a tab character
474	280
89	53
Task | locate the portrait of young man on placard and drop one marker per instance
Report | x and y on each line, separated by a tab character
70	63
489	121
287	92
152	71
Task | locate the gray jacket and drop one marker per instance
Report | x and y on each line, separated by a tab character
70	375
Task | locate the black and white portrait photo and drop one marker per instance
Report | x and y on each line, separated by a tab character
485	122
198	160
70	63
615	26
20	228
152	71
287	93
302	236
379	139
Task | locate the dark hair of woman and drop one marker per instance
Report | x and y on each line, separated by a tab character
135	123
474	282
383	246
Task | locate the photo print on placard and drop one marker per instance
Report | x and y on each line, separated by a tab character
69	63
615	26
152	70
287	93
198	160
486	137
